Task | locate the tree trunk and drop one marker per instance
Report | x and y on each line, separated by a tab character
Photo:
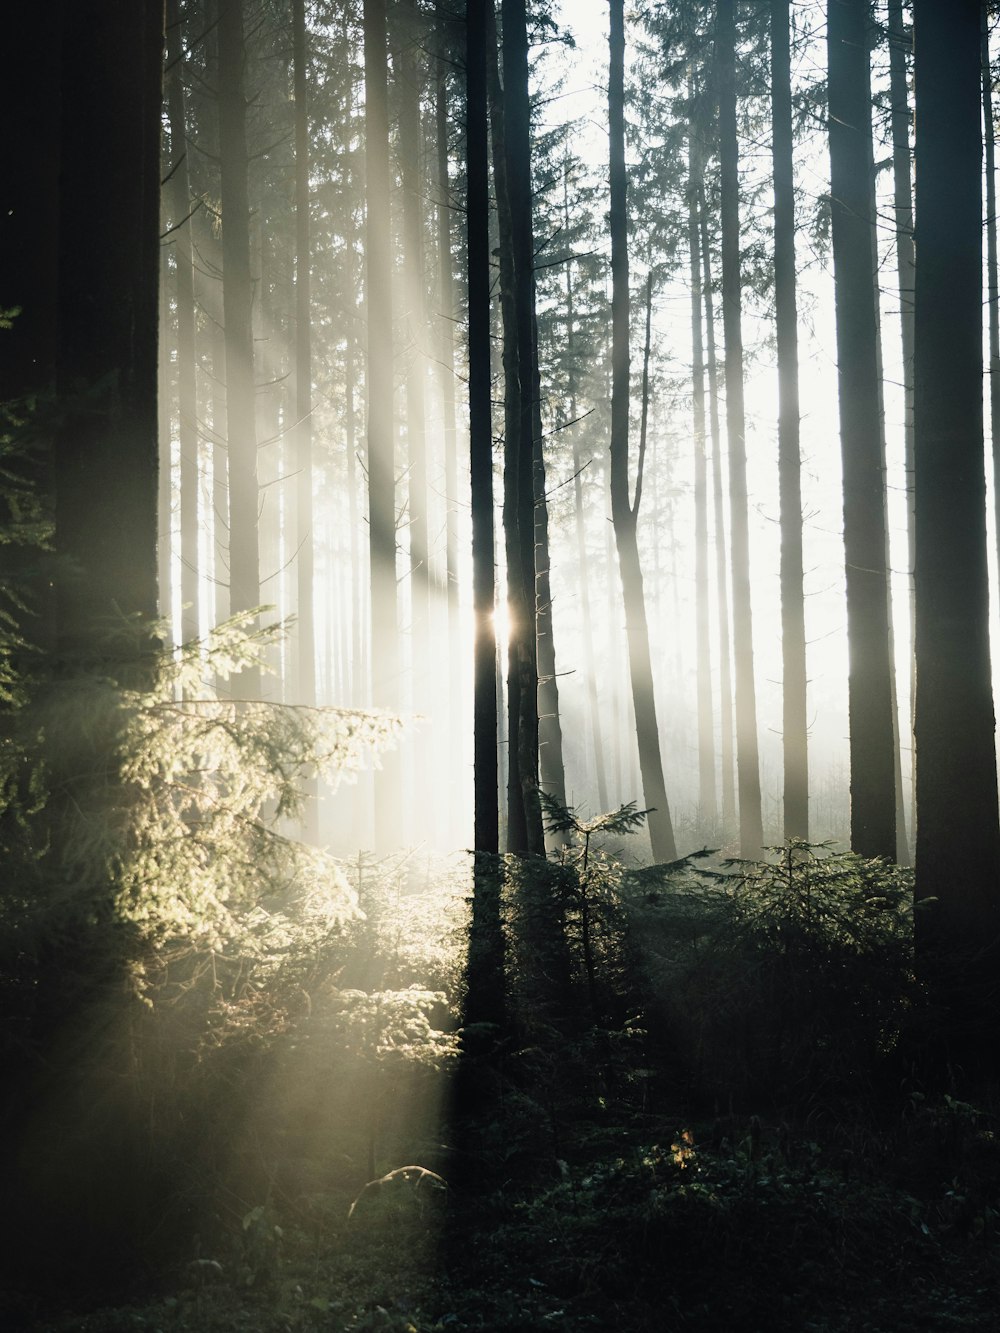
485	973
625	510
707	808
793	630
958	828
105	450
873	791
187	400
385	655
747	759
992	277
899	46
305	563
512	171
237	300
726	738
586	615
446	363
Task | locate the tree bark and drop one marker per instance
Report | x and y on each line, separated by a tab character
958	828
747	759
512	171
625	510
485	975
105	450
793	630
873	791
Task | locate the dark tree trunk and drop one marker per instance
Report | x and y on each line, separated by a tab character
237	300
793	630
385	655
105	454
512	170
747	759
485	975
625	510
958	830
992	276
873	799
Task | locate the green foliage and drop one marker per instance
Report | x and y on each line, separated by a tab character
790	978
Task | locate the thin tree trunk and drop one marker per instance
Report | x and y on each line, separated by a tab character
446	362
747	757
793	630
899	46
237	300
873	788
385	654
992	278
625	510
589	665
485	988
726	736
187	399
707	807
305	562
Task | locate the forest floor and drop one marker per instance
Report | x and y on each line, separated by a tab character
637	1223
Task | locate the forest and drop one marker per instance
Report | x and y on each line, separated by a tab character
499	551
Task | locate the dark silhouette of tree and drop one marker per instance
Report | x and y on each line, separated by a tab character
105	450
485	995
873	788
958	829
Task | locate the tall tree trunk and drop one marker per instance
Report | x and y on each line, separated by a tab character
992	275
237	300
747	758
583	564
726	736
385	655
958	827
105	450
485	979
550	748
793	629
899	97
446	363
625	510
873	788
187	399
707	807
512	171
305	563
